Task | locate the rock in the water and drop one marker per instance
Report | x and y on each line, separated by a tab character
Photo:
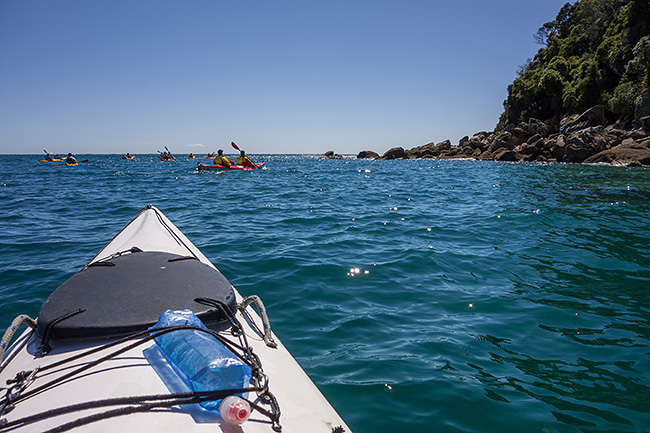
579	147
367	154
582	144
559	144
628	153
429	150
395	153
505	155
527	151
331	155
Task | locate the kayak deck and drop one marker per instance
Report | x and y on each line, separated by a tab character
142	370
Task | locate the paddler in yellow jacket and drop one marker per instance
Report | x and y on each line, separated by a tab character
242	159
221	160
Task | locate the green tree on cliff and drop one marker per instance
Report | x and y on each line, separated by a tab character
594	52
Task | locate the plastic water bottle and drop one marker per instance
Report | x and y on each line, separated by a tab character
204	363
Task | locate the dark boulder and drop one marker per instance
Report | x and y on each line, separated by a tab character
485	155
505	140
444	145
429	150
534	139
582	144
466	152
520	132
480	140
628	153
395	153
595	116
367	154
505	155
452	152
331	155
526	152
425	151
557	144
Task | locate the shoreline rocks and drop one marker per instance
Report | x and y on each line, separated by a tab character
331	155
583	138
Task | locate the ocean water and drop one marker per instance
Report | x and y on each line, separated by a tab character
420	296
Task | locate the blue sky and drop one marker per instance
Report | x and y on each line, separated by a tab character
100	76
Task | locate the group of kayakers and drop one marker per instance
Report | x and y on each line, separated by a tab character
166	156
68	159
219	159
242	160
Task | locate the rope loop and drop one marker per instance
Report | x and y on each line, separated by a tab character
11	331
268	335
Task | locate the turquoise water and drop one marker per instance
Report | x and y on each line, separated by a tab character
420	296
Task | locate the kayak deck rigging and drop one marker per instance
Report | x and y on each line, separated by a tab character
20	391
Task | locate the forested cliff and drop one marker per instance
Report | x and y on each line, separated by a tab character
596	52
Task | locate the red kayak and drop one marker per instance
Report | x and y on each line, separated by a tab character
232	167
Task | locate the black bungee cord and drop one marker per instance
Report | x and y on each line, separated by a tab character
18	391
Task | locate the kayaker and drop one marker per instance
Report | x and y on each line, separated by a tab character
242	159
70	159
221	160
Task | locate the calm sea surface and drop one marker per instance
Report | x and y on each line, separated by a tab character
420	296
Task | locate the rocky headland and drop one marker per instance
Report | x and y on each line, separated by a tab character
584	138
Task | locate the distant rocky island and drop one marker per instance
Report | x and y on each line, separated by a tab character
584	98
